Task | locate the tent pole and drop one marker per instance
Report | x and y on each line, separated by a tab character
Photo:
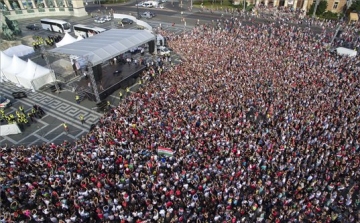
43	52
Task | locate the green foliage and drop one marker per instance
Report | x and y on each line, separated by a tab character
330	15
321	9
249	7
7	33
9	23
355	7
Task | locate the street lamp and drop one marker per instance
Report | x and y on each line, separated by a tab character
137	9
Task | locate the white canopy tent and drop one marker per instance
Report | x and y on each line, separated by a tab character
346	52
17	66
5	63
10	129
34	76
106	45
20	51
67	39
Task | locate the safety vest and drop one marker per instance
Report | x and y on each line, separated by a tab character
120	94
21	109
77	97
33	110
127	89
65	126
108	103
81	117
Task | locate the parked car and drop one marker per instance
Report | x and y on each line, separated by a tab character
127	21
97	20
141	4
161	6
107	18
19	95
163	51
147	15
32	27
4	102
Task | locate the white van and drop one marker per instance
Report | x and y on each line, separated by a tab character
151	4
147	5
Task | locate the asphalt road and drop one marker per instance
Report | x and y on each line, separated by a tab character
174	12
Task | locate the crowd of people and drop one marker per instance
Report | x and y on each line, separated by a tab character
259	123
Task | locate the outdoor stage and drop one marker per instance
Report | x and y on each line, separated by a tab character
113	77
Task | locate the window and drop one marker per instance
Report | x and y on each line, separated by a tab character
336	4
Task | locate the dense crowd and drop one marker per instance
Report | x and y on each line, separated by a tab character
259	124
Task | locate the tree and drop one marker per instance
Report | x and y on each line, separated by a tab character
354	7
320	9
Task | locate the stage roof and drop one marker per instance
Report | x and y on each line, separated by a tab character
106	45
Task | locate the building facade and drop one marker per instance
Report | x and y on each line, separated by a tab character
22	9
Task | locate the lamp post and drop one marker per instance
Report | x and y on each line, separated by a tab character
137	9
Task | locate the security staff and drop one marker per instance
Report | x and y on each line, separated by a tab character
120	94
21	109
12	118
8	119
82	120
20	124
108	104
17	114
25	121
33	111
30	116
66	129
77	99
2	114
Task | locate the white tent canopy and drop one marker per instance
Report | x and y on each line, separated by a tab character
9	129
67	39
106	45
17	66
5	63
20	50
346	52
34	76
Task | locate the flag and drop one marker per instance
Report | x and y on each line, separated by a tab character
165	151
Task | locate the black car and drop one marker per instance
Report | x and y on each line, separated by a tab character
126	21
33	27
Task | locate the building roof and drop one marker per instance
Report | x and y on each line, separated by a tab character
106	45
354	16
